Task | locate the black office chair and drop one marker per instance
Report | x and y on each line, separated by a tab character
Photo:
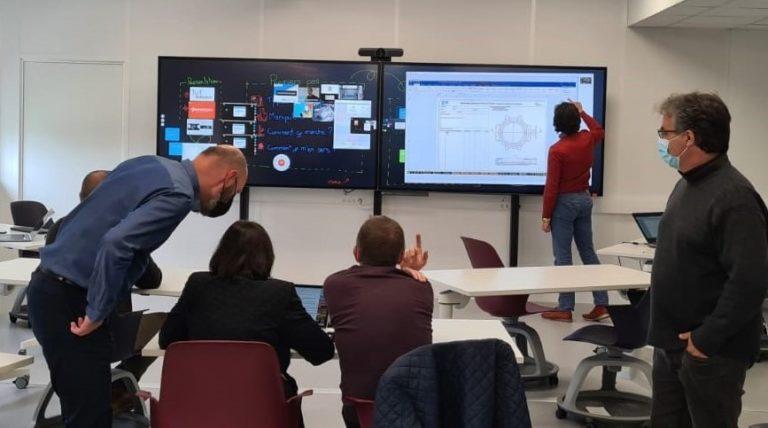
628	333
26	214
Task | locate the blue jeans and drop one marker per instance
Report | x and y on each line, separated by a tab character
571	220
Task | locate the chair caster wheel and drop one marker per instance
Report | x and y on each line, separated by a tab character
553	381
21	382
560	413
12	318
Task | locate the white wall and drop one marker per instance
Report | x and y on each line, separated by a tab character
314	230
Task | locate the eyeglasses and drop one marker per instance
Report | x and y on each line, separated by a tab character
662	132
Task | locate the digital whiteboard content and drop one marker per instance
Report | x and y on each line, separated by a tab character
471	128
299	123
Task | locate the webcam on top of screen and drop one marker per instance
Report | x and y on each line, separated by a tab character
380	54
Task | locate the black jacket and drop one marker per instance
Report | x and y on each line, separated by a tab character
710	272
212	308
150	279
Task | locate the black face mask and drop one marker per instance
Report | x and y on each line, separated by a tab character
222	205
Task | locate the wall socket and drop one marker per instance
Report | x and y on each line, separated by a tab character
352	200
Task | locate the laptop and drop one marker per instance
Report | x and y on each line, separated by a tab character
312	299
649	226
27	237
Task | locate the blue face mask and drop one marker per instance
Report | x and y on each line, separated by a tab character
662	146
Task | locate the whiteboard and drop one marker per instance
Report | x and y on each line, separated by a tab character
72	123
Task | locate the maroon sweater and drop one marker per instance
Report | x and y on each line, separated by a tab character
379	313
569	163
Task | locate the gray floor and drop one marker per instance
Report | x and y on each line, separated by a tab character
322	409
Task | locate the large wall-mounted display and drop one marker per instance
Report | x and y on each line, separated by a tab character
479	128
443	127
299	123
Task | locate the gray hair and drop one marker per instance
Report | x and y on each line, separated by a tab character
705	114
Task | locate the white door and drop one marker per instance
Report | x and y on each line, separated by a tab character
72	124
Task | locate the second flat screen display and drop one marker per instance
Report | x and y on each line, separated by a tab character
479	128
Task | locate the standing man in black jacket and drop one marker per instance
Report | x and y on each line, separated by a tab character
710	273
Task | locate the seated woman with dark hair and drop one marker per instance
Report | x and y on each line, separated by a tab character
237	300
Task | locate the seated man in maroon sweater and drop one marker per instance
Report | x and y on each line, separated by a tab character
379	311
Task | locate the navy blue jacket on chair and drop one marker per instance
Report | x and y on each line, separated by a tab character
468	384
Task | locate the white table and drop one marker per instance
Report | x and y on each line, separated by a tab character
17	272
443	330
637	250
468	283
37	243
172	285
14	366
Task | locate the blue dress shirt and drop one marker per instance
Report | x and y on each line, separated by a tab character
103	245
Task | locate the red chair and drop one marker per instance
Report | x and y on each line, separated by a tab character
223	384
510	308
364	409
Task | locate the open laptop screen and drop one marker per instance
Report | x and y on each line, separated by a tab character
649	225
312	299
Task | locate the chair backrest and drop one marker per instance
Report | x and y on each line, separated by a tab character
482	255
124	328
364	410
28	213
221	384
471	383
631	322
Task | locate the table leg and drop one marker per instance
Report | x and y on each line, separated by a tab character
5	289
446	301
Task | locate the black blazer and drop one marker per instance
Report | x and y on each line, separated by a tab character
212	308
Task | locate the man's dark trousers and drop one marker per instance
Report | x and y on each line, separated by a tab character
79	366
695	392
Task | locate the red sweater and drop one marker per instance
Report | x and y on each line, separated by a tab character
569	163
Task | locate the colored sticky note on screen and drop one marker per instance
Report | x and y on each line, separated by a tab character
402	155
175	149
172	134
202	110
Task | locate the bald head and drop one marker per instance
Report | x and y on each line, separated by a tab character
91	182
221	173
226	157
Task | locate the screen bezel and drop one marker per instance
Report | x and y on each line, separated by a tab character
597	184
375	142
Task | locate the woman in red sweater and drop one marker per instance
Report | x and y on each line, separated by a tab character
567	211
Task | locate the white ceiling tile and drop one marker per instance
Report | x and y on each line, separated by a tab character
683	10
749	3
659	20
736	11
715	21
705	2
